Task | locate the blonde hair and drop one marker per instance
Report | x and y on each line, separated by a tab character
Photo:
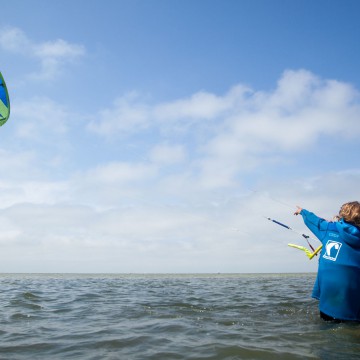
350	212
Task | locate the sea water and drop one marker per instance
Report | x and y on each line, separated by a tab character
206	316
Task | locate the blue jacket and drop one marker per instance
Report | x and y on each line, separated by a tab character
337	285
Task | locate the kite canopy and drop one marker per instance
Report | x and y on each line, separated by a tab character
4	102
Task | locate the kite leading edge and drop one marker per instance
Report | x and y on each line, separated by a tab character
4	102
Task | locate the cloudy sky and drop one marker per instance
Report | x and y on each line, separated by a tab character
154	136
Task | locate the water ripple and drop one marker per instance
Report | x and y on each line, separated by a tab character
168	317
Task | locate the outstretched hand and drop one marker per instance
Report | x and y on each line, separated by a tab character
298	210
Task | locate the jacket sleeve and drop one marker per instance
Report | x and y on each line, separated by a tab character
317	226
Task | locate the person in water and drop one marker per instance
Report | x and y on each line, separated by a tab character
337	286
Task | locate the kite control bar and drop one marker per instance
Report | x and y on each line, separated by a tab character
308	253
287	227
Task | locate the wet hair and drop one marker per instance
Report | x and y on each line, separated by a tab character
350	212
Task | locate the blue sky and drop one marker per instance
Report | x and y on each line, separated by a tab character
153	136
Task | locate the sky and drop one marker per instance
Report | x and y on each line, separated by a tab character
157	136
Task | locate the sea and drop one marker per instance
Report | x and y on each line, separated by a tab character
167	316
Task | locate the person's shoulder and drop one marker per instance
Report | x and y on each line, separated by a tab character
332	226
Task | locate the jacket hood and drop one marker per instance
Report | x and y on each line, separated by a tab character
350	233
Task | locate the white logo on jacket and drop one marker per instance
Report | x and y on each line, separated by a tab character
332	250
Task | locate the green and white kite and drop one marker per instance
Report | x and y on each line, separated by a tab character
4	102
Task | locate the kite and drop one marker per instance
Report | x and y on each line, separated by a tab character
4	102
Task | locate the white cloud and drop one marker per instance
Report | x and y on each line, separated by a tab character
32	192
300	109
14	165
127	116
287	120
174	204
120	172
229	136
202	105
40	119
131	114
58	49
14	40
52	55
158	237
168	154
113	184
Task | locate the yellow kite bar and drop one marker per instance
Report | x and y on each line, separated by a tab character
308	253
